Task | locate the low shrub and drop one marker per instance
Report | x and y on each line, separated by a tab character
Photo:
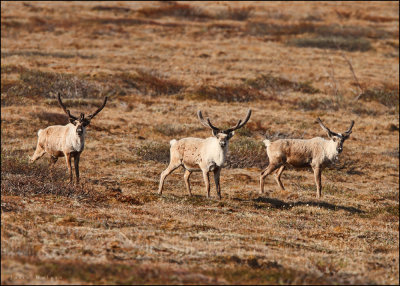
308	27
51	118
308	104
18	178
169	129
277	84
175	9
36	83
227	93
235	13
386	95
114	9
154	151
335	43
147	82
246	153
45	54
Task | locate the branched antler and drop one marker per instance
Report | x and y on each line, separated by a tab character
206	123
240	124
65	109
99	109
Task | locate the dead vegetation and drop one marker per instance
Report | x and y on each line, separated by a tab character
154	151
160	62
21	179
36	84
246	153
335	43
387	95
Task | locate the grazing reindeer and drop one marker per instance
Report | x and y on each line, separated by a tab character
68	140
313	152
206	155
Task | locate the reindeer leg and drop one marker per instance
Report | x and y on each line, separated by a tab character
266	172
39	152
206	182
186	177
317	177
278	176
165	173
217	173
68	160
76	165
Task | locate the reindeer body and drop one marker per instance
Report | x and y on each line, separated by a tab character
302	152
315	152
59	139
64	140
196	154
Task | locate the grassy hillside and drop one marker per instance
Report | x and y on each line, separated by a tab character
160	62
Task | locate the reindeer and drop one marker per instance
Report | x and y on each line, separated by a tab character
67	140
315	152
205	155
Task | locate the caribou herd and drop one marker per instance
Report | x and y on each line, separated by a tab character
198	154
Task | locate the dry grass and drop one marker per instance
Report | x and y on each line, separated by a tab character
336	43
36	83
160	62
387	95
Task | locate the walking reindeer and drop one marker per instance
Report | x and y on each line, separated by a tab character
68	140
313	152
205	155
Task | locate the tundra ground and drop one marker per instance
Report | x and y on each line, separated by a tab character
159	62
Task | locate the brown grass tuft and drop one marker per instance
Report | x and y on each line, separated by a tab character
36	83
154	151
246	153
333	30
277	84
235	13
175	9
45	54
334	43
387	95
114	9
51	118
227	93
22	179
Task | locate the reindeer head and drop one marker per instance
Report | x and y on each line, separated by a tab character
223	136
338	138
81	122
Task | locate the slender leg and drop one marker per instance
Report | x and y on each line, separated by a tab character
317	177
76	163
164	174
68	159
217	173
52	162
186	177
278	176
39	152
207	182
266	172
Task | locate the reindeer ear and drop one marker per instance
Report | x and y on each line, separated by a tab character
71	120
230	135
215	132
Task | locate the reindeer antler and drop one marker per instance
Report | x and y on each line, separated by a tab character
330	133
65	109
348	132
240	124
98	110
206	123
